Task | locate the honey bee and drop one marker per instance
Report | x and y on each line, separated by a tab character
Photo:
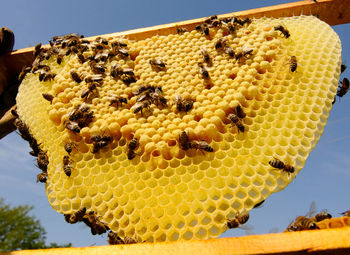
231	28
157	97
220	44
101	40
48	97
140	105
72	126
236	121
97	68
128	76
119	44
77	216
247	51
240	113
157	64
215	23
35	147
244	53
97	227
42	161
87	92
132	146
94	78
75	76
346	213
241	22
302	223
278	164
206	56
342	68
322	216
100	142
74	49
44	73
203	29
42	177
101	56
23	73
203	71
283	30
69	147
78	112
67	167
293	64
37	49
81	58
343	89
200	145
181	30
116	70
49	76
113	238
229	51
183	105
59	59
210	19
116	100
184	141
187	105
22	129
240	219
246	21
142	89
123	52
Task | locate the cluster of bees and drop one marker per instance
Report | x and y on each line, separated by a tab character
147	95
310	220
97	227
229	26
42	158
307	222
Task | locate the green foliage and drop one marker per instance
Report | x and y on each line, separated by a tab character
19	230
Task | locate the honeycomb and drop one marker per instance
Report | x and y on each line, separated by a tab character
166	191
340	222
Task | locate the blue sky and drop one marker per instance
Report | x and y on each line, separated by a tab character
325	178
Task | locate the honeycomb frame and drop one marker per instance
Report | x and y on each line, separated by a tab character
166	193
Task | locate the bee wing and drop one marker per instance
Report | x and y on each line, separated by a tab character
135	106
248	229
345	213
312	210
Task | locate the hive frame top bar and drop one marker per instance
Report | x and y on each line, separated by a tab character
333	12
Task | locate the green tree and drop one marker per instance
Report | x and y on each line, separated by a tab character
19	230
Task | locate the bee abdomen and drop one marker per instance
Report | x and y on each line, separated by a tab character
277	163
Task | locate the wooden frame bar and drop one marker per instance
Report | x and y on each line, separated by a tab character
333	12
329	241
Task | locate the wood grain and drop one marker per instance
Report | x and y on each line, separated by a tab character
330	241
